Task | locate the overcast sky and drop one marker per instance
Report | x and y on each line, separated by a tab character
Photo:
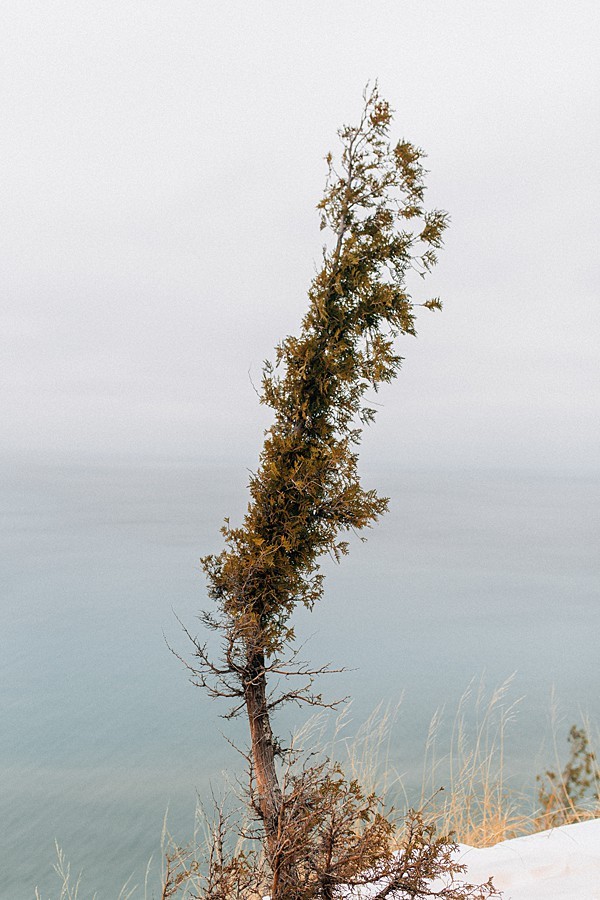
161	162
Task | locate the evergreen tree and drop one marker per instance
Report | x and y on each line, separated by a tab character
306	496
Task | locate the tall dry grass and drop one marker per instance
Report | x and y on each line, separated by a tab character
477	801
70	884
466	788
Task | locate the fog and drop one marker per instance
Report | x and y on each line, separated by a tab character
161	166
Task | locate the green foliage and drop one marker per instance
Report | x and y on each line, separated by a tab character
306	492
563	795
318	830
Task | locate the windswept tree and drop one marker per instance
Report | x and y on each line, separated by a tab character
307	495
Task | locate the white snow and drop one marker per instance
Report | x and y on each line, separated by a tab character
562	864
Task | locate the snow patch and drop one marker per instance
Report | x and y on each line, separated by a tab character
561	864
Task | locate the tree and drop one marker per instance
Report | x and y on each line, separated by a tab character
306	494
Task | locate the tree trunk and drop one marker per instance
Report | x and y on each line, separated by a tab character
263	748
269	794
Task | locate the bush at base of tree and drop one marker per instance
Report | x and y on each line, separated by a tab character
335	843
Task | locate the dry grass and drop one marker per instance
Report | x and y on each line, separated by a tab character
467	790
479	804
70	884
569	791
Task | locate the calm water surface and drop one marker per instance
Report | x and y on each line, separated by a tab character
470	574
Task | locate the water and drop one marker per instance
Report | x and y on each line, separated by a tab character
470	573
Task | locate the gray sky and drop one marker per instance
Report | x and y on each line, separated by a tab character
161	161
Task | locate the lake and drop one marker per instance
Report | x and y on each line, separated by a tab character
470	575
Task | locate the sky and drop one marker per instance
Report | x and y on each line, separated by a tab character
161	163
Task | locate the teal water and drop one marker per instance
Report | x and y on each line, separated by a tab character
470	573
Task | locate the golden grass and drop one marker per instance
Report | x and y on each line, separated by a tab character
477	803
465	791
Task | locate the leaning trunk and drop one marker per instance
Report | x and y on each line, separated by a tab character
268	800
263	745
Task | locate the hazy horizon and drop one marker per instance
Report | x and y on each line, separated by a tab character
469	576
161	166
162	163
